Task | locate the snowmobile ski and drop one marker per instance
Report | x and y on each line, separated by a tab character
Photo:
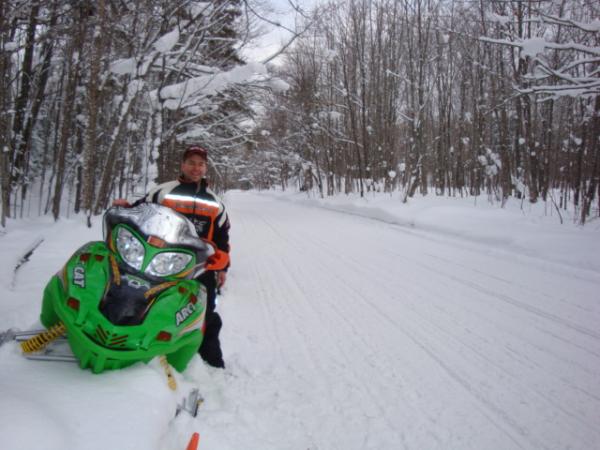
58	350
191	403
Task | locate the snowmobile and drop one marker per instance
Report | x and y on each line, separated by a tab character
132	296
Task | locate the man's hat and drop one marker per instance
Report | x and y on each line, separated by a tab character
195	150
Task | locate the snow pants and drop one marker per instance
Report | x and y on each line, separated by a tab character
210	349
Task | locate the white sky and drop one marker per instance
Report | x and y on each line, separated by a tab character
271	42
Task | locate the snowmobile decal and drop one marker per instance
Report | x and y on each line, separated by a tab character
184	313
197	324
135	282
79	276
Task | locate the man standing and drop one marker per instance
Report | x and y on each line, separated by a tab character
190	196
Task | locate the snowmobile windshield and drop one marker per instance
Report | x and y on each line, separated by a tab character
158	222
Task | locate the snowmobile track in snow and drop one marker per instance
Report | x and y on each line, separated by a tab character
439	342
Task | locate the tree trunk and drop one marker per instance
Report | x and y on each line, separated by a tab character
71	69
19	145
594	147
93	103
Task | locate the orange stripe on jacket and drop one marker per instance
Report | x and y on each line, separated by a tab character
194	206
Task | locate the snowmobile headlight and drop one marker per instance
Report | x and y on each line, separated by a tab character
130	248
168	263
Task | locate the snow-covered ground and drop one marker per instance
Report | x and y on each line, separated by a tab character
349	324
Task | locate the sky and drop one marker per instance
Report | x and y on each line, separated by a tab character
271	42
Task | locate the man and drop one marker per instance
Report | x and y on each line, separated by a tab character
190	195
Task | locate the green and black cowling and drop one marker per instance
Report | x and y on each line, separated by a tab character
133	296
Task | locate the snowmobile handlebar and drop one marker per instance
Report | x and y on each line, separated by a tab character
218	261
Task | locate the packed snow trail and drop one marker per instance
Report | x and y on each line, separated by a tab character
348	333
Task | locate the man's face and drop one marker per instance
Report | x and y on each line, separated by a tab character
193	168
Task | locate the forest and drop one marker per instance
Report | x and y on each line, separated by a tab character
423	97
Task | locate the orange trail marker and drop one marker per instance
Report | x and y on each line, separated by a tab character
194	441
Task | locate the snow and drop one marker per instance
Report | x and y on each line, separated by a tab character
198	8
329	54
278	85
166	42
441	323
533	46
493	17
187	93
10	46
594	25
123	66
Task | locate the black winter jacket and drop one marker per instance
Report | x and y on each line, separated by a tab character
199	204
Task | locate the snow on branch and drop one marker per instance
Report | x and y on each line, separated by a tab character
536	45
592	27
167	41
188	92
575	77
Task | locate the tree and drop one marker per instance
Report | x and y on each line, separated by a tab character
466	97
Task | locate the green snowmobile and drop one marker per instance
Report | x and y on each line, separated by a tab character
134	295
